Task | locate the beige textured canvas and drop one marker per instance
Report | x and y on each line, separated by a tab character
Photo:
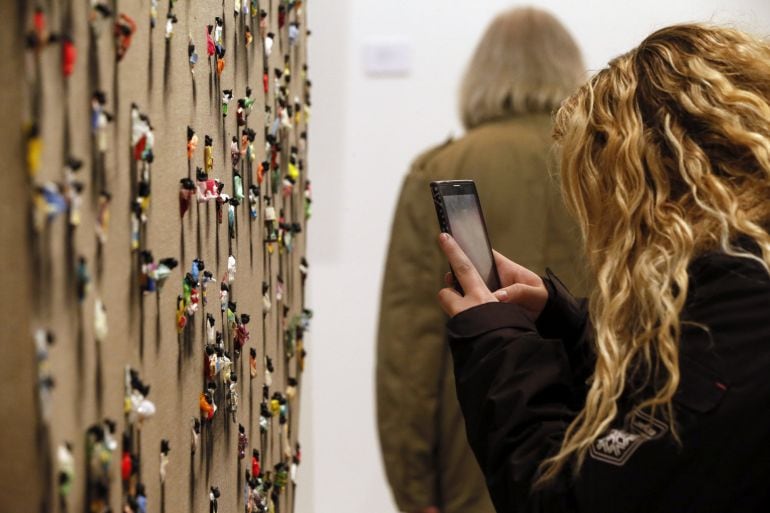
89	377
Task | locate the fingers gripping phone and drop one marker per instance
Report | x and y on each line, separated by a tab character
459	214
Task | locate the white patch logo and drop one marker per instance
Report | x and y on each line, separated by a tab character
617	446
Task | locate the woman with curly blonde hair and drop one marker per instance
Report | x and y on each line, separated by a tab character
654	395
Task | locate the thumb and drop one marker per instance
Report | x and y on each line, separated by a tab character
526	296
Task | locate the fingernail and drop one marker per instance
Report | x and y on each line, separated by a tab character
443	237
501	295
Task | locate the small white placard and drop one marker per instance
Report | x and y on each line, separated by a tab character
388	56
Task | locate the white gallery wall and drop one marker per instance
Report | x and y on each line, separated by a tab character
365	130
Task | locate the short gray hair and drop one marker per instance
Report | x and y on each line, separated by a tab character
526	62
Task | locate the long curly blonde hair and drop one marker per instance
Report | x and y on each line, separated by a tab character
665	155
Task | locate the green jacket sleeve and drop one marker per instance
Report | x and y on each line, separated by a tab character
411	349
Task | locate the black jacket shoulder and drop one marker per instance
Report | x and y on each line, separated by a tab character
520	384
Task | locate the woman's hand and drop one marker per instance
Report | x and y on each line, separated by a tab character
476	291
520	286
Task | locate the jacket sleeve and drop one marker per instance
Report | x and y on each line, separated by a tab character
411	350
515	389
566	318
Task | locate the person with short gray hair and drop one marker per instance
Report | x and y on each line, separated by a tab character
523	67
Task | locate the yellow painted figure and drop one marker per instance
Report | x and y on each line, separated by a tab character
34	150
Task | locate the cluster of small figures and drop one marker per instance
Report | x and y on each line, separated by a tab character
261	492
40	37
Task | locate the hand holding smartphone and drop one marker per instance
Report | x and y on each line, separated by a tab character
459	214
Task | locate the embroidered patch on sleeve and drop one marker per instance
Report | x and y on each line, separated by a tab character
617	446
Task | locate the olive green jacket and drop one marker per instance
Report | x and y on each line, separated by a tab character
422	435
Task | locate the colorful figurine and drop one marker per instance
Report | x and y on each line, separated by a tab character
208	188
214	494
124	32
83	279
38	37
196	434
192	56
235	152
208	277
291	389
45	381
238	187
141	498
100	321
255	468
224	294
192	142
232	395
99	119
210	330
165	448
267	305
269	369
181	317
231	204
138	408
271	233
262	23
171	20
220	61
72	190
293	33
252	363
308	195
68	55
243	442
241	336
142	137
100	448
208	153
279	288
210	45
227	96
153	13
254	201
66	464
187	192
264	417
207	406
248	38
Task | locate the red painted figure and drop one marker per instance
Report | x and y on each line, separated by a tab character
210	46
126	466
255	463
124	31
69	55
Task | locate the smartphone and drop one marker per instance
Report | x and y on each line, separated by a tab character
459	214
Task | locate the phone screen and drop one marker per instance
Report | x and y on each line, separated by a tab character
466	223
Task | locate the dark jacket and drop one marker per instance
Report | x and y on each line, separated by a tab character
521	384
426	455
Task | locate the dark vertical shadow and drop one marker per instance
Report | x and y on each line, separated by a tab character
99	381
150	60
81	356
141	326
167	68
199	243
158	331
239	482
182	245
217	247
191	482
